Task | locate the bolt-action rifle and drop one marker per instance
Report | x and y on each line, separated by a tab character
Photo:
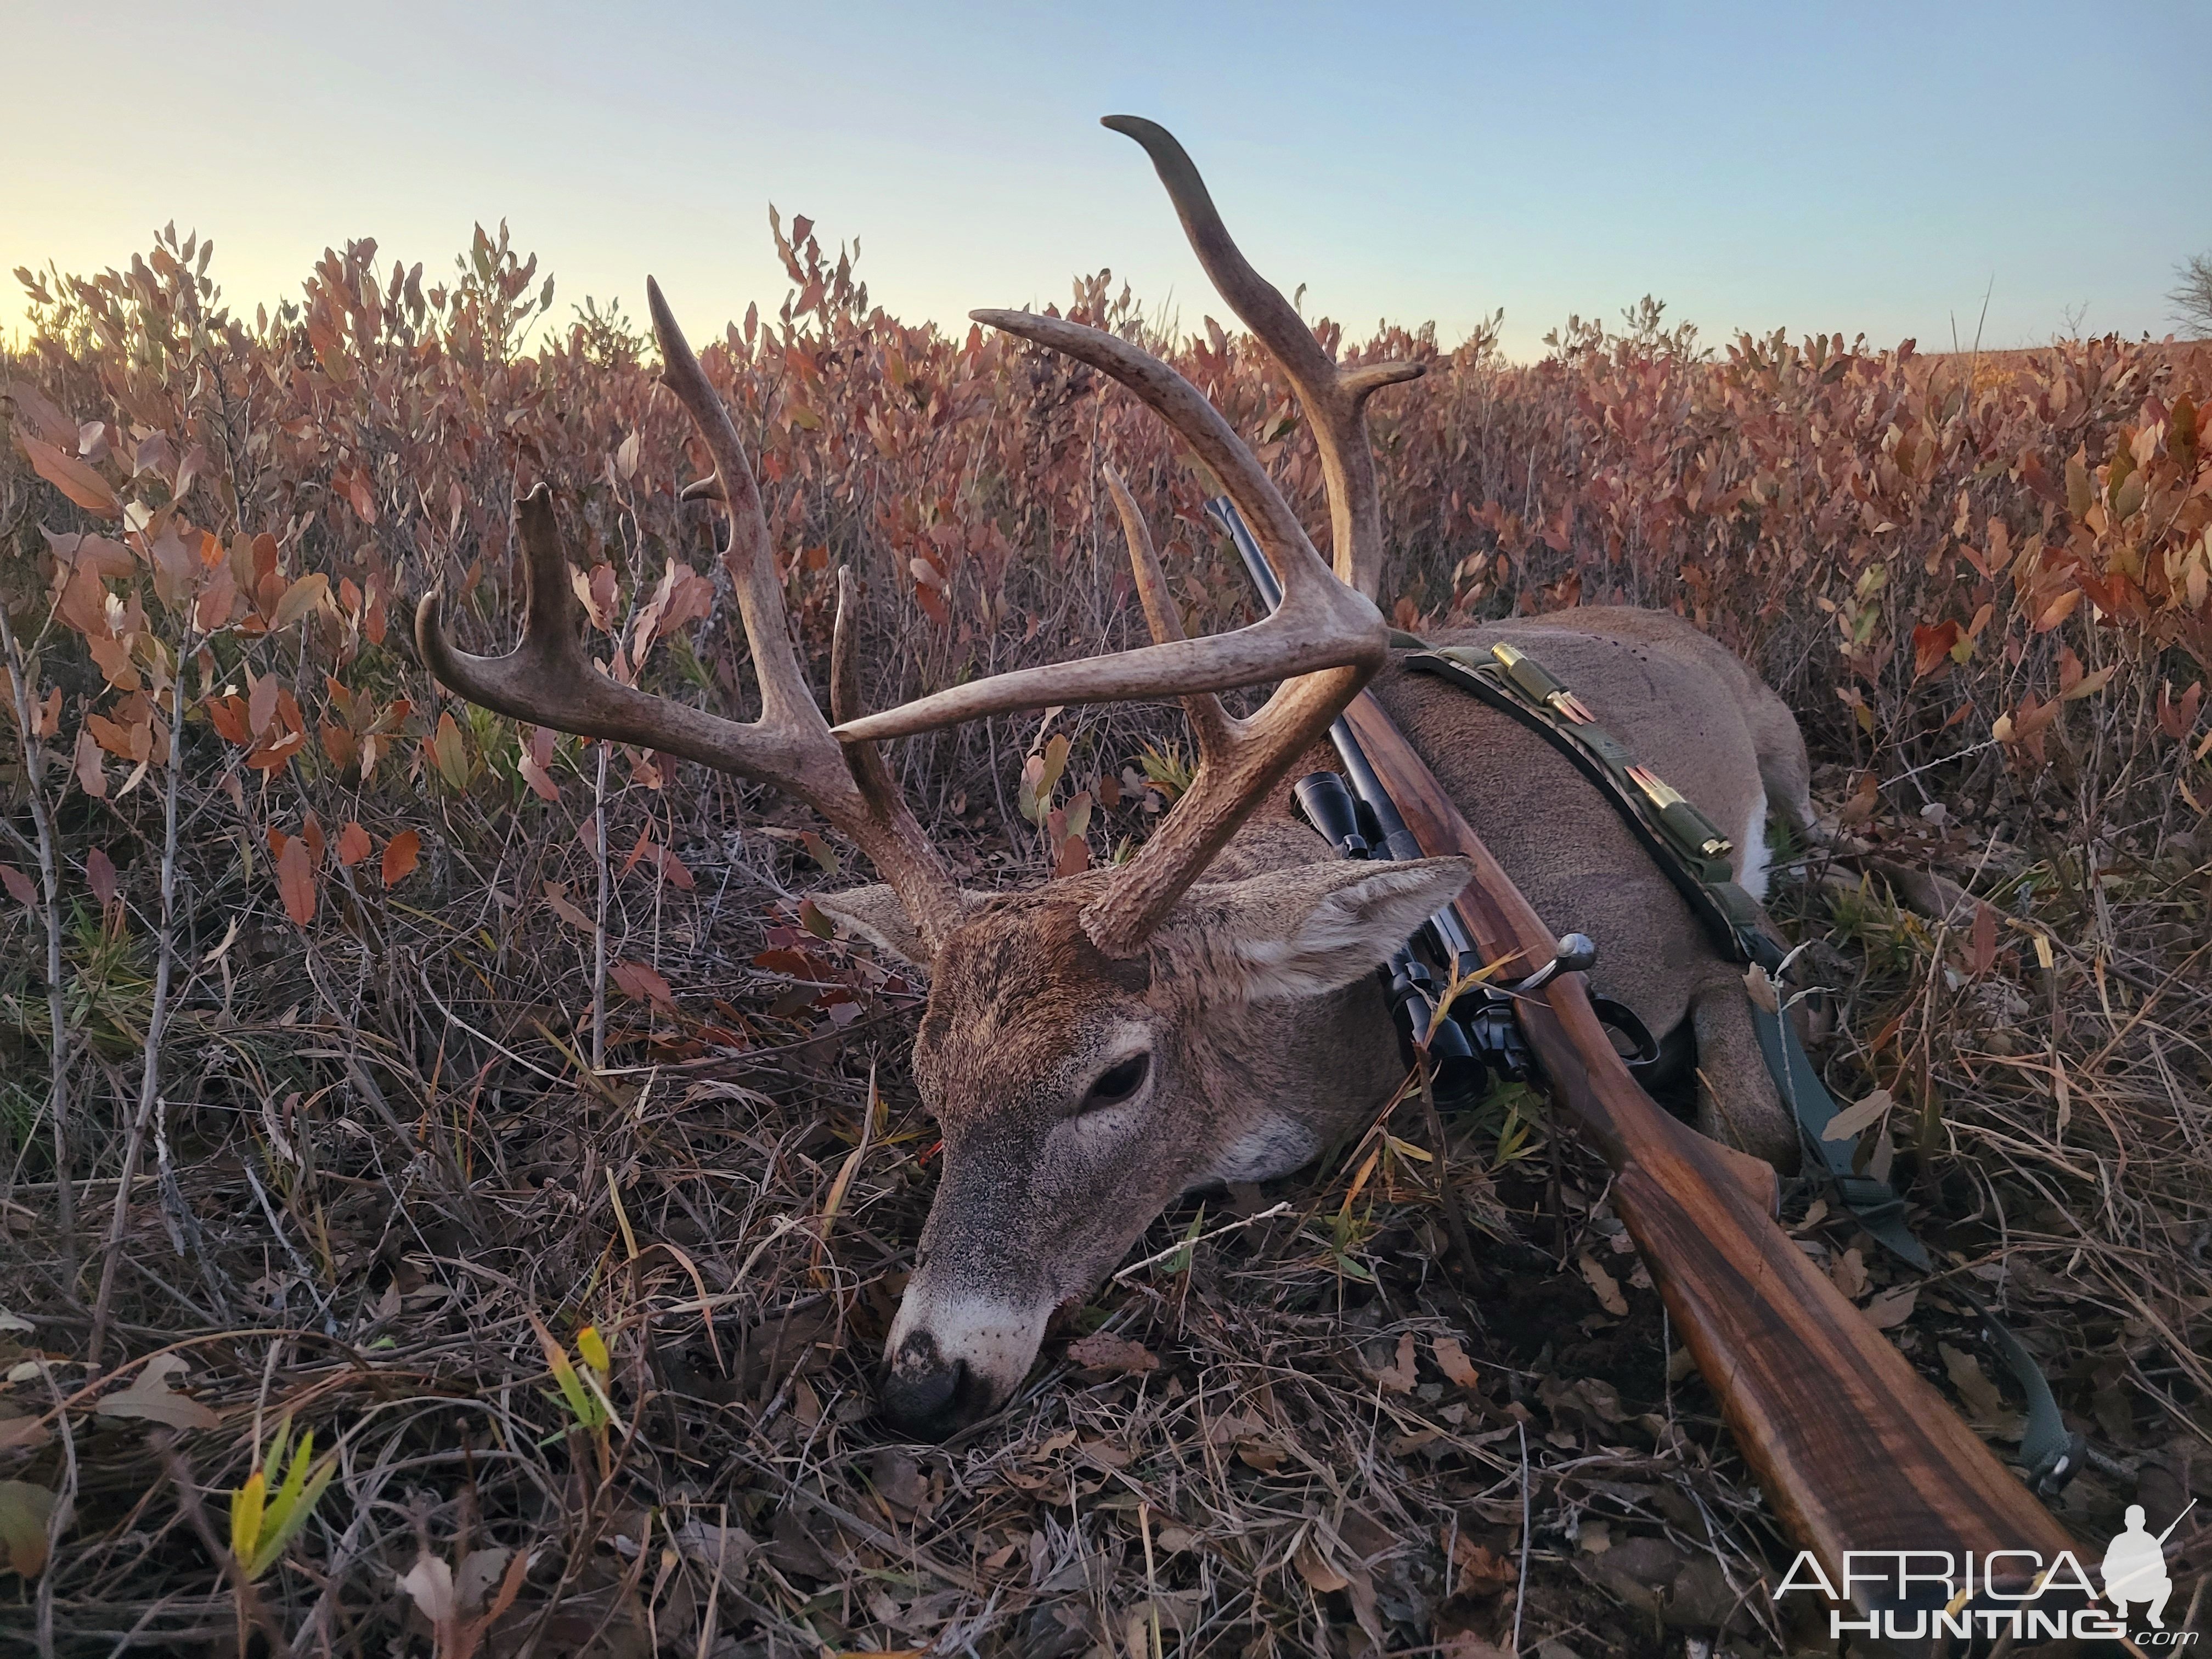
1853	1449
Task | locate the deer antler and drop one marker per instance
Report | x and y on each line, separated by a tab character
1336	399
1323	642
549	680
1239	761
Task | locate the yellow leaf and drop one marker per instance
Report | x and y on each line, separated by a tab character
301	597
24	1511
1855	1118
594	1347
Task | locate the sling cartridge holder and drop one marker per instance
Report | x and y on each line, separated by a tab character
1689	829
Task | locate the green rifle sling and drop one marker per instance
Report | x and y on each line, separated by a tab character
1680	842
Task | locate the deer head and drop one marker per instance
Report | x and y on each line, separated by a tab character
1093	1047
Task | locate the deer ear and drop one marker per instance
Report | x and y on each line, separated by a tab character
1317	927
875	913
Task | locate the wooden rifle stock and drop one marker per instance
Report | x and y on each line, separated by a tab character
1852	1448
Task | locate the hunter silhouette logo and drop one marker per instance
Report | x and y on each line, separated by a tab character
1914	1594
2135	1568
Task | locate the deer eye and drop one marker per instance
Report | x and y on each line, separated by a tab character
1117	1083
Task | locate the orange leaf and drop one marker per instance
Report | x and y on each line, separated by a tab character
539	779
72	477
2058	610
296	881
89	775
353	844
399	856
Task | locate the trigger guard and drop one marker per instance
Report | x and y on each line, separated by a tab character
1620	1017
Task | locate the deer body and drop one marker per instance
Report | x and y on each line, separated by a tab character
1207	1011
1249	1079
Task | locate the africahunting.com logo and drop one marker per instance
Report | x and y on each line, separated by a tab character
1920	1594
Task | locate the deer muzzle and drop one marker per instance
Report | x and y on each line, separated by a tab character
957	1352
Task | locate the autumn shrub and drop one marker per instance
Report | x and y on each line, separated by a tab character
1992	587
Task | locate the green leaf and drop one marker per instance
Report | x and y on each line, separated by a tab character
276	1539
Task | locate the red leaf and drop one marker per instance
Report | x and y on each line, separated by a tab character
18	884
100	874
72	477
640	984
1931	646
400	856
353	844
296	881
1982	954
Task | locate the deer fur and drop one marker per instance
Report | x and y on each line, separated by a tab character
1257	1001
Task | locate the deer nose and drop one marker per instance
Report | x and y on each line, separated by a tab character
927	1396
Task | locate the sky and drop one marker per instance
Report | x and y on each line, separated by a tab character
1877	168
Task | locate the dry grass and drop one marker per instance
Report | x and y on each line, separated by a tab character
379	1157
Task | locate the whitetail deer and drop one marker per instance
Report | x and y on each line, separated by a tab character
1208	1011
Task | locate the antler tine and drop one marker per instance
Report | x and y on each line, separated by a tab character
1321	624
547	679
1240	761
785	699
1210	723
1335	399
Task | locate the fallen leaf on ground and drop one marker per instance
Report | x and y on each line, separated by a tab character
1855	1118
1103	1351
1317	1569
1607	1286
24	1511
1452	1361
150	1396
429	1583
1849	1274
1984	1403
1397	1376
1893	1307
1481	1570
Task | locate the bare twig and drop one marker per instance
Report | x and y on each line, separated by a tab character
50	889
157	1019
